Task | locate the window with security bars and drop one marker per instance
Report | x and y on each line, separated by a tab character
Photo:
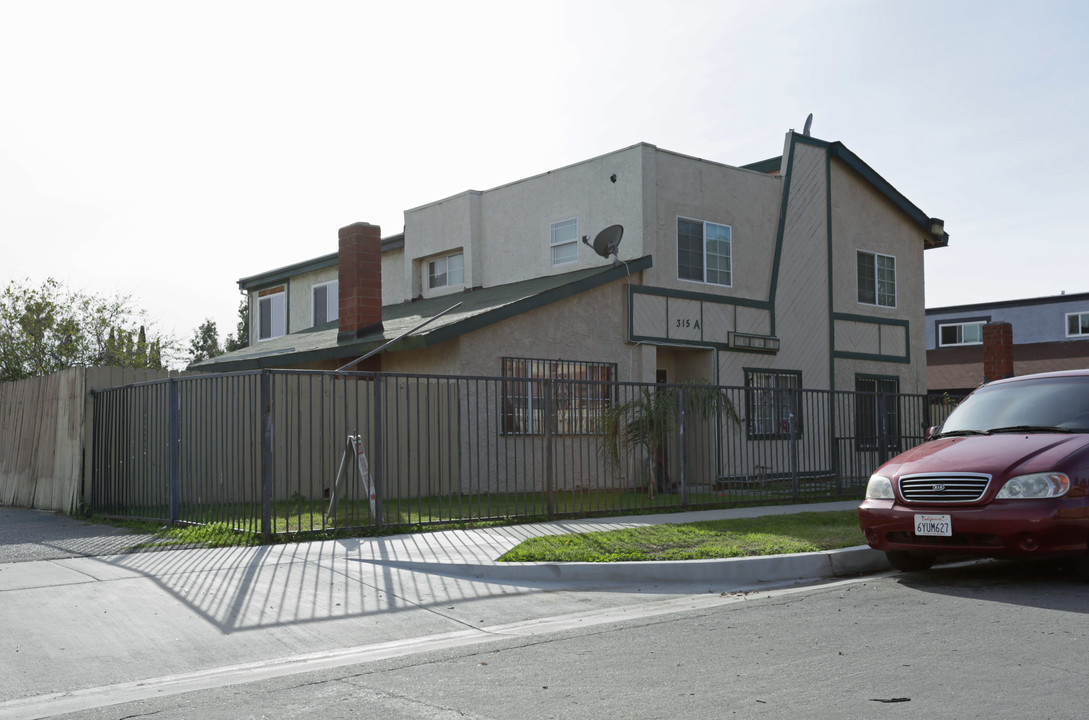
772	404
579	392
877	411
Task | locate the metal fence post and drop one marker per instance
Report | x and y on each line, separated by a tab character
882	428
549	417
172	443
266	456
683	450
376	451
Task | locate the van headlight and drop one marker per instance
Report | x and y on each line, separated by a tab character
1035	486
879	488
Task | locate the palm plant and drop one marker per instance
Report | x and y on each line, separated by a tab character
647	421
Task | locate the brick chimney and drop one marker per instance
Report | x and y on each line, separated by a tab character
997	351
360	280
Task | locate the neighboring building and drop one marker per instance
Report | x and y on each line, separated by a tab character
799	271
1045	334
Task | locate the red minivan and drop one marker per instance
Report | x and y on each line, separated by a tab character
1006	475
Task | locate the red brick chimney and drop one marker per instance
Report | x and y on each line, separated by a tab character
360	280
997	351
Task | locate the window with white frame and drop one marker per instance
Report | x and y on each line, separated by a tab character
1077	324
271	313
446	271
772	404
325	302
575	392
563	242
704	252
876	279
962	333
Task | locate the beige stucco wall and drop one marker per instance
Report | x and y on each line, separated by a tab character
686	187
504	232
300	297
864	219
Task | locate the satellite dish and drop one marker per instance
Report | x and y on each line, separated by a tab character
808	125
607	241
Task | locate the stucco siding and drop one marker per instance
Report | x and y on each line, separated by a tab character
865	220
801	294
746	201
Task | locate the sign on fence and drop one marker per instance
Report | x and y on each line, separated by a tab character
353	447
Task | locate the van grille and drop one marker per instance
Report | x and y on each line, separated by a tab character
943	488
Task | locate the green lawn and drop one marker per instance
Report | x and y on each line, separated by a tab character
767	535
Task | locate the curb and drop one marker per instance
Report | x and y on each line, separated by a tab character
796	567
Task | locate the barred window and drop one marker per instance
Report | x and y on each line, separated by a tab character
772	404
579	392
877	411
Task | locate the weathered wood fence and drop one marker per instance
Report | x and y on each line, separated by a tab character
45	431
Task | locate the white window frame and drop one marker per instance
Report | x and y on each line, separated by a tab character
274	304
960	333
1083	324
449	278
563	242
705	255
332	302
877	280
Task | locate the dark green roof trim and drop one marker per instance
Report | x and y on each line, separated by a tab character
616	272
482	307
770	165
280	275
780	232
870	320
700	296
840	151
902	359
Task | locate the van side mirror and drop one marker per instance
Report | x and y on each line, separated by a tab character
931	432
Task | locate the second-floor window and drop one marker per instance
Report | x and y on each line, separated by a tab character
563	242
326	302
446	271
704	252
271	313
1077	324
876	279
967	333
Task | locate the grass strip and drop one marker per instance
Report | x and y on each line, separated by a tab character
742	537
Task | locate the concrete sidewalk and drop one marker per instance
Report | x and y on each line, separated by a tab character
104	626
27	535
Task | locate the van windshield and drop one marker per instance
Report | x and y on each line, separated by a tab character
1049	404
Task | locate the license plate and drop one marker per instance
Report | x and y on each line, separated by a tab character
940	525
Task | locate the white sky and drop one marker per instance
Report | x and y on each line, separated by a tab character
169	148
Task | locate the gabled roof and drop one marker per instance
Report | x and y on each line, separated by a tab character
479	308
841	152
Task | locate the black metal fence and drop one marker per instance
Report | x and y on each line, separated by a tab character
288	451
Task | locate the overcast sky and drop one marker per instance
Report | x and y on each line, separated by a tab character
166	149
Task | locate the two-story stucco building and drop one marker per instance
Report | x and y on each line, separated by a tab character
1042	335
805	270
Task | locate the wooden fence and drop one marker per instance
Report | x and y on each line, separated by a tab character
44	434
